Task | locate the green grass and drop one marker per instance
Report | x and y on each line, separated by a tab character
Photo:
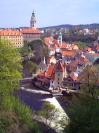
15	113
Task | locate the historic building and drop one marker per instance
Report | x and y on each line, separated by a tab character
14	37
20	35
31	33
33	20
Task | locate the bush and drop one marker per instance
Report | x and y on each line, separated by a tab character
25	116
17	112
84	117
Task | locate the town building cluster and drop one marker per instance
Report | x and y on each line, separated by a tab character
65	63
18	36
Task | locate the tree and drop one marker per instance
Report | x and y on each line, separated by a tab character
14	116
39	49
48	112
32	67
81	45
10	69
83	116
51	117
89	78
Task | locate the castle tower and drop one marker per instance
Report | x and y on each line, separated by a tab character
33	20
60	38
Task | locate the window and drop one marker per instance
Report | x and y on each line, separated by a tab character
58	74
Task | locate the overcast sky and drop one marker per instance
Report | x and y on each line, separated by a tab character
15	13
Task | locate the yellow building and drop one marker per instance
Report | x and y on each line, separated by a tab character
13	36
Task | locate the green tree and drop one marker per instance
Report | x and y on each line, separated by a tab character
32	67
83	116
14	116
81	45
48	112
39	50
10	69
89	78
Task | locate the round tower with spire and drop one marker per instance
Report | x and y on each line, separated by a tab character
60	38
33	20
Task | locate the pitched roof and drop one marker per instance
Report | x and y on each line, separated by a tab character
48	41
32	30
97	47
63	46
74	47
10	32
68	53
50	70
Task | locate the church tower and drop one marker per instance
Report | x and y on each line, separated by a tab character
33	20
60	38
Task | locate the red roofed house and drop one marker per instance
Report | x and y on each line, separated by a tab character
12	36
31	33
57	74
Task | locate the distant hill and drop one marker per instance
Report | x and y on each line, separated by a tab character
68	26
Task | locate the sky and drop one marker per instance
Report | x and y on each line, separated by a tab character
17	13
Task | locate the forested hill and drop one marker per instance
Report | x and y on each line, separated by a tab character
80	26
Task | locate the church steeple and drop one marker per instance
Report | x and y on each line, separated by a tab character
60	38
33	20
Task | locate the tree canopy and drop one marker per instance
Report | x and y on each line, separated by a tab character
84	116
10	68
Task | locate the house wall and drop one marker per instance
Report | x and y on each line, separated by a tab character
16	40
58	79
31	37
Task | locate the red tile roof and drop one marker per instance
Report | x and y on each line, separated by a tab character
97	47
10	32
68	53
48	40
30	30
74	47
63	46
50	70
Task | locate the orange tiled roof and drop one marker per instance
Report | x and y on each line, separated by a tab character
50	70
75	47
55	41
56	46
63	46
10	32
30	30
68	53
97	47
48	40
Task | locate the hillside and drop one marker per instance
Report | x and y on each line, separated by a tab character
68	26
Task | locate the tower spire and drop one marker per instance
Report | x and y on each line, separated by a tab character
33	20
60	38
